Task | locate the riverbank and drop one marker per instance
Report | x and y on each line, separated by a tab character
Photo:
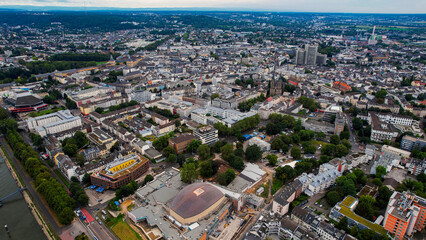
42	223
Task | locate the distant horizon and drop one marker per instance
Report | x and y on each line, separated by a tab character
86	5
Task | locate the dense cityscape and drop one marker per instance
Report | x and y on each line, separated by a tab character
131	125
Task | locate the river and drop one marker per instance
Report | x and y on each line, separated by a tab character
15	212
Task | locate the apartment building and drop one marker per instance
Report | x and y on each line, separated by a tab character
405	214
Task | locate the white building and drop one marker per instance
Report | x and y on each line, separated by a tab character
211	115
265	146
142	96
53	123
325	178
207	134
380	130
396	151
392	118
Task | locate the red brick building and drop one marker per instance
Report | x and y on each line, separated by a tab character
180	143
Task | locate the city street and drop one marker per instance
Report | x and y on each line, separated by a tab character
352	138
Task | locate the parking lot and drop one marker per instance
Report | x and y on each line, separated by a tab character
96	197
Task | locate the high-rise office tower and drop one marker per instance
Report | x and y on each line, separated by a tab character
311	54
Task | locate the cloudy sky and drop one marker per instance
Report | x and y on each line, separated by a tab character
367	6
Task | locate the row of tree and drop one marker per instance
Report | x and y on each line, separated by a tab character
80	57
117	107
55	193
246	105
308	103
239	127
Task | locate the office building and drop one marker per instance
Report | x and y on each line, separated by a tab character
310	56
53	123
405	214
409	142
180	143
207	134
121	171
395	151
381	131
346	209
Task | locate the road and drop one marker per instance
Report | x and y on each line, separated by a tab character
352	138
36	197
100	231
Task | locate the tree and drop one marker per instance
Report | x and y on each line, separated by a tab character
383	196
310	149
86	179
320	135
171	158
354	231
168	150
366	234
99	110
277	144
253	153
148	178
226	177
328	149
347	186
344	135
188	173
80	160
365	207
343	224
381	93
83	199
70	104
346	143
161	142
380	171
272	159
115	147
82	236
227	151
377	182
81	139
214	95
296	153
341	150
193	146
180	159
421	177
203	152
335	139
239	152
357	123
333	197
237	163
208	168
285	173
70	149
3	114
